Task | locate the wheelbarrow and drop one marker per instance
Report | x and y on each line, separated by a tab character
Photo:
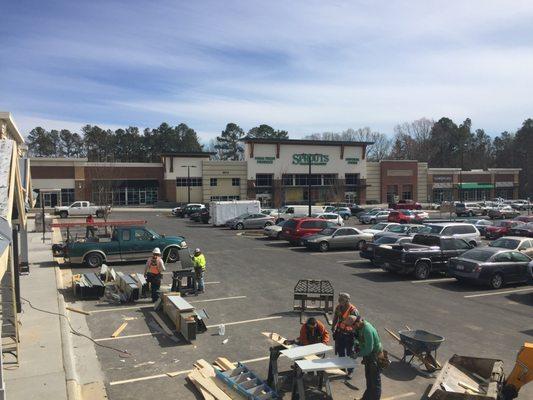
420	344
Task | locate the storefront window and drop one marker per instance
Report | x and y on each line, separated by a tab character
235	181
505	193
407	192
212	182
263	180
183	182
392	193
67	196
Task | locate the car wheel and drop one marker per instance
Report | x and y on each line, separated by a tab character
63	214
360	245
94	260
239	226
496	281
268	224
372	221
323	247
171	255
422	270
99	214
470	214
473	243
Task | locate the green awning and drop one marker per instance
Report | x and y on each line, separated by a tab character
475	185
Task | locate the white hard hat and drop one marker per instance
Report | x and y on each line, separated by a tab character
183	245
156	251
197	250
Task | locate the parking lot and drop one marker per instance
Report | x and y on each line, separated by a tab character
249	287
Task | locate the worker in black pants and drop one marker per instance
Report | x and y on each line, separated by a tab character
153	272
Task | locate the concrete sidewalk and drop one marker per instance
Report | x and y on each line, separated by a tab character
41	374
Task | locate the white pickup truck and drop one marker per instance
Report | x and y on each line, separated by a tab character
81	208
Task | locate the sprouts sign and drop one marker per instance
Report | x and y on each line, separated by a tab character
305	158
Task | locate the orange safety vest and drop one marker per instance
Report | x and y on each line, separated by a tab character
153	266
342	325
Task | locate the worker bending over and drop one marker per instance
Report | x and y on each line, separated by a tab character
153	272
370	348
199	269
313	331
343	328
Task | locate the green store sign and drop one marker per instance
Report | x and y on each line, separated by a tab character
265	160
316	159
352	160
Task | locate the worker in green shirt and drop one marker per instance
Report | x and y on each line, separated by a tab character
368	346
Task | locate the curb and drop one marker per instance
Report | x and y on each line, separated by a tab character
71	375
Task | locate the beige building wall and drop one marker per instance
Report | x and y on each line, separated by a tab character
422	183
182	196
224	172
373	181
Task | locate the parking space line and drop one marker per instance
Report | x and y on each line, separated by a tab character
328	253
352	261
129	336
436	280
399	396
366	271
245	321
497	293
151	305
173	374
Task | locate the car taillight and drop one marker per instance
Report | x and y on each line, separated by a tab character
477	269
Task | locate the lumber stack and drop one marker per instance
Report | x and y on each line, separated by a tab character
203	377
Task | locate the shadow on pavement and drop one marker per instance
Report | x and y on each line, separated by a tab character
381	277
522	298
400	371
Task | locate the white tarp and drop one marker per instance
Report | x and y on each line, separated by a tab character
222	211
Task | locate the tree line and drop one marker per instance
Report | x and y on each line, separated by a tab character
442	143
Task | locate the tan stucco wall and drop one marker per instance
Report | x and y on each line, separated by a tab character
224	171
373	181
422	182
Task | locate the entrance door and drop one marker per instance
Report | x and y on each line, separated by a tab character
142	197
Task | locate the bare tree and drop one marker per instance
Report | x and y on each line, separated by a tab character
412	140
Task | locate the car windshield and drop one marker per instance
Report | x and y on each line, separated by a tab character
398	228
378	227
505	243
281	223
153	233
386	240
242	216
327	231
435	228
477	255
291	224
283	210
407	212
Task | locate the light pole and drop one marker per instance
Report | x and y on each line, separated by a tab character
188	181
309	185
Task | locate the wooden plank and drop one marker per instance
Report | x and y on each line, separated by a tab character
209	386
395	336
119	329
77	310
225	364
161	323
205	394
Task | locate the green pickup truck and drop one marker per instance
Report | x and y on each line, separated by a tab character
131	243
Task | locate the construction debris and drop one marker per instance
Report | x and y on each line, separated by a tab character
77	310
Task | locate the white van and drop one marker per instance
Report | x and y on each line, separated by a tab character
288	212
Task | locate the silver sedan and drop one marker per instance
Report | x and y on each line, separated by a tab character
247	221
337	238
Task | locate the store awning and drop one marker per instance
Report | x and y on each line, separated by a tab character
475	186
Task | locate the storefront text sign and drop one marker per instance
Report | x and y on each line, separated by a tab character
265	160
352	160
316	159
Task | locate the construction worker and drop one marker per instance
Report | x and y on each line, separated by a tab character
153	272
199	268
313	331
185	256
343	328
369	347
90	229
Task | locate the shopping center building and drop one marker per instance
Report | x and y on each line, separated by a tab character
274	171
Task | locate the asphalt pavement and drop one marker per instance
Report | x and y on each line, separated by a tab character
250	282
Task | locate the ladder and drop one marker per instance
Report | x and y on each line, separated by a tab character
10	320
247	383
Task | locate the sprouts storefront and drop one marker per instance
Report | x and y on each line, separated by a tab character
280	171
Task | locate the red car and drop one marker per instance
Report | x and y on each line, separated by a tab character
296	228
525	218
403	217
500	228
406	205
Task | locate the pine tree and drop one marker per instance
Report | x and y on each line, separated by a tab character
229	142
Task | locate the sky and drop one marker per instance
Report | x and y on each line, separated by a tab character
301	66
